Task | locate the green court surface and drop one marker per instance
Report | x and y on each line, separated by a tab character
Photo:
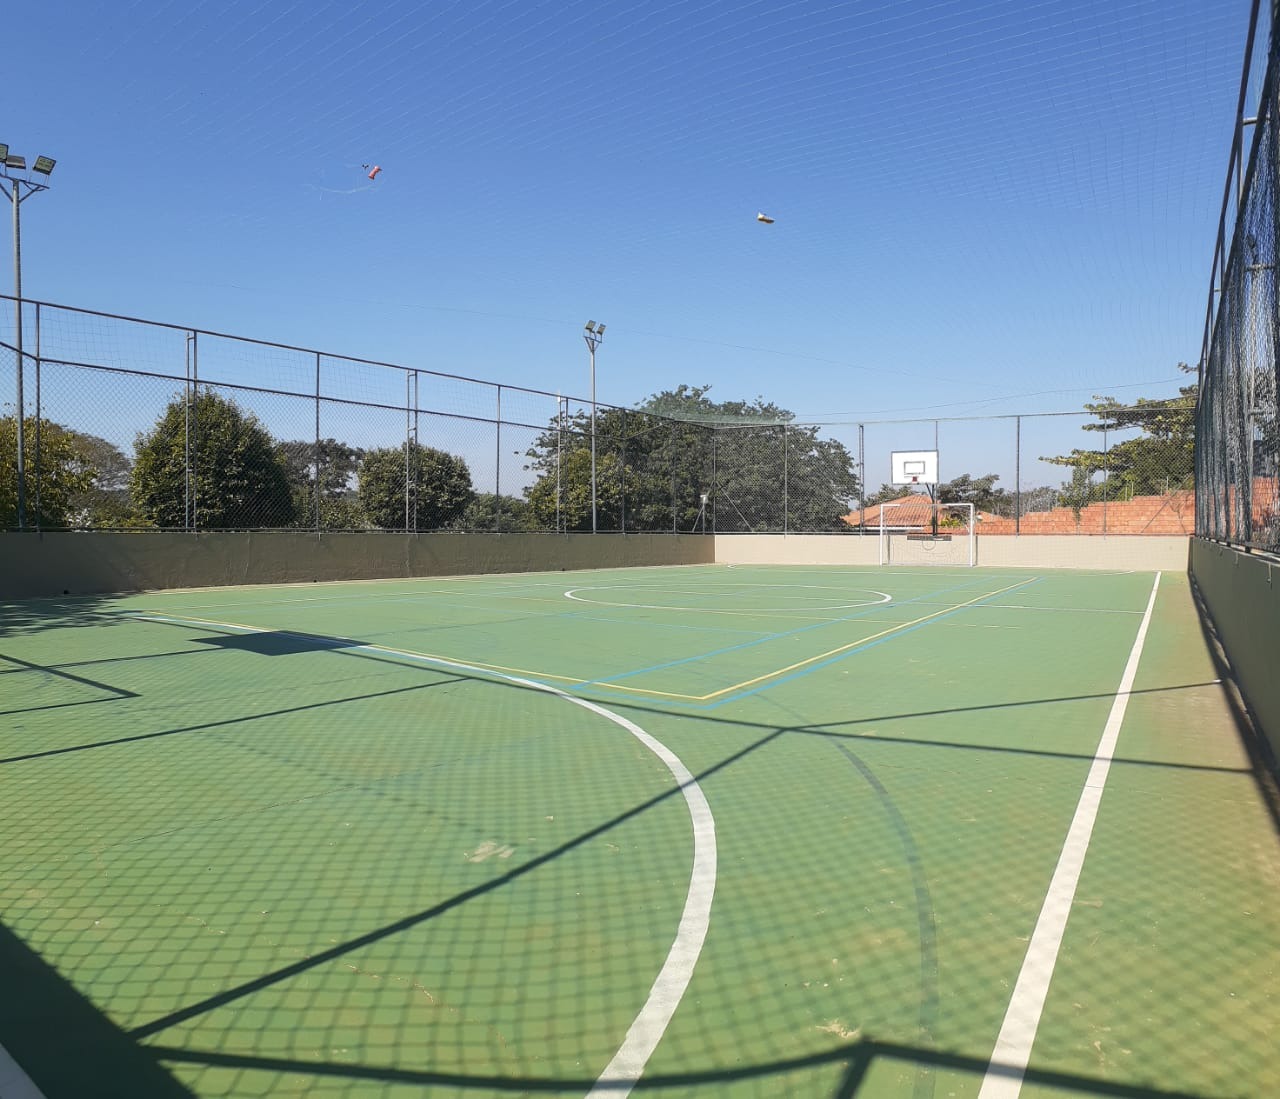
768	831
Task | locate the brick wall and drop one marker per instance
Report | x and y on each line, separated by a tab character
1171	514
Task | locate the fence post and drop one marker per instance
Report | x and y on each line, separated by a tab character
497	470
862	480
675	498
39	463
408	427
193	434
715	432
1017	475
1106	476
417	441
186	433
317	450
785	472
560	414
1246	449
20	398
622	471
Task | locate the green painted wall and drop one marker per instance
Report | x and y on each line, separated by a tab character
96	562
1242	593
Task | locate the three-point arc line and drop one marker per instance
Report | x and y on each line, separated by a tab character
668	988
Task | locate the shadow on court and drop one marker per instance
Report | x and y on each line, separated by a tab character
857	1059
129	1057
66	1045
1266	767
71	1050
26	616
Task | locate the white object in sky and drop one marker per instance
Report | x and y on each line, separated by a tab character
765	218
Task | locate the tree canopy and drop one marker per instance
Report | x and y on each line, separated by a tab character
1159	460
239	478
438	493
105	501
491	512
654	464
330	465
64	473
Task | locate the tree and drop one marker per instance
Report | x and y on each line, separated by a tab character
1160	460
439	488
981	492
574	512
105	502
238	475
335	462
1079	492
489	511
654	464
53	483
1043	498
332	465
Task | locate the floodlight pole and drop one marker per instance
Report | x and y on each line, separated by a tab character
16	198
593	335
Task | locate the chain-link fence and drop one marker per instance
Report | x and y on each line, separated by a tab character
133	425
1238	456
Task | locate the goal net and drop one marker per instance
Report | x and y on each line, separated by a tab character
926	533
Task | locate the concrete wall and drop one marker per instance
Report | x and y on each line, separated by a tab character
796	549
1041	551
93	562
1084	551
1241	592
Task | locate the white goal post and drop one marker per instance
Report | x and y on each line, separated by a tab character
912	542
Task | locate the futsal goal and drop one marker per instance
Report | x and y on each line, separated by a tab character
921	531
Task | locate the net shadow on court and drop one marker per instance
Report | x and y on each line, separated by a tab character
811	813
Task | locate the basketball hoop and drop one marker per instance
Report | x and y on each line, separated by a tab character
914	467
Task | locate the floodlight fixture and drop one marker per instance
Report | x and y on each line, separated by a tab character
4	151
600	330
591	326
13	160
44	165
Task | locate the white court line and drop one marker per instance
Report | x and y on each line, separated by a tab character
572	593
1008	1064
646	1030
1071	610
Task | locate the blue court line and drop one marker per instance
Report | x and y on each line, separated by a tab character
850	652
605	681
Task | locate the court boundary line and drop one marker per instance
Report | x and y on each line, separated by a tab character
612	681
503	671
668	988
830	653
779	612
1007	1066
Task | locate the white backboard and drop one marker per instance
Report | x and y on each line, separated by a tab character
914	467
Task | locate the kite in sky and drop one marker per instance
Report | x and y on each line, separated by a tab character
759	217
372	169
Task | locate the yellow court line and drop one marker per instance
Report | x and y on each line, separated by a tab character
862	641
619	686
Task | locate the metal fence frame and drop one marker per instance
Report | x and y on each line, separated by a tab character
1237	418
740	477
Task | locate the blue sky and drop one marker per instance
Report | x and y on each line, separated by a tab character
980	206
